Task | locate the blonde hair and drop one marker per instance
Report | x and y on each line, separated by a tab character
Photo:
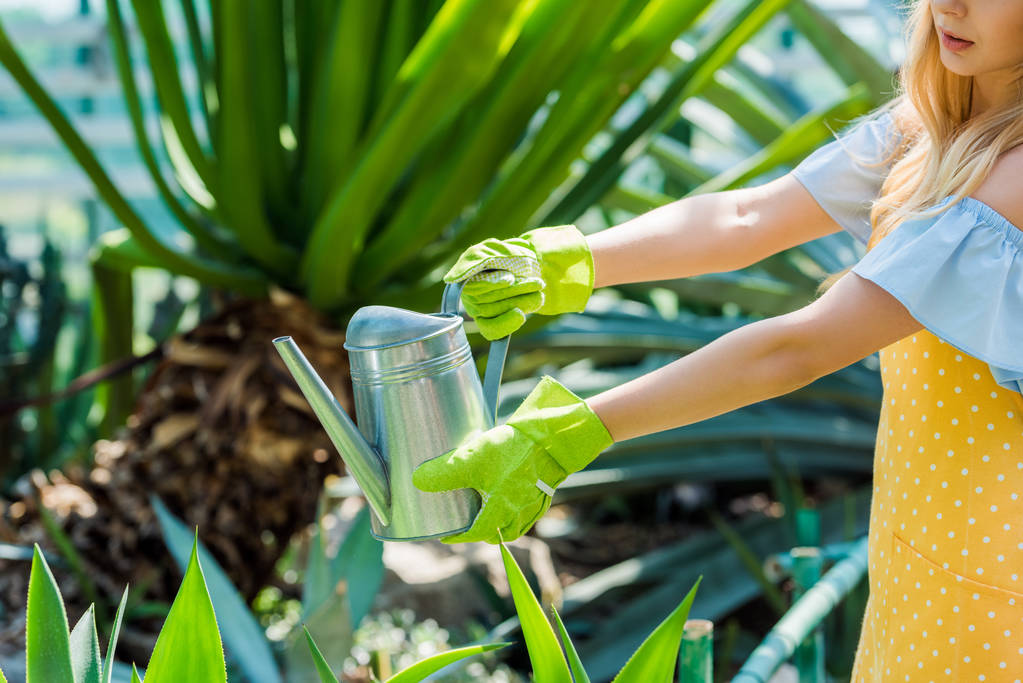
943	151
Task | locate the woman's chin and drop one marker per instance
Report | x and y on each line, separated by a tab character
955	65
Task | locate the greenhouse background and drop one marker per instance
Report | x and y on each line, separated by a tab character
728	499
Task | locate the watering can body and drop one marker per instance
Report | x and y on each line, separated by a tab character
417	396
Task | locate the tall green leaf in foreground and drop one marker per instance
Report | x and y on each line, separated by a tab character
654	661
188	647
246	640
85	659
574	662
115	632
47	644
544	650
322	668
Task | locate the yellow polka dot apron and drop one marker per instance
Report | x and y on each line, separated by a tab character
946	522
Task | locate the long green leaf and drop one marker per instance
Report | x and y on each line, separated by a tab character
563	72
544	650
423	668
727	94
588	98
211	272
434	83
167	80
85	659
268	86
47	645
317	585
654	661
113	315
797	140
397	37
115	632
574	663
246	641
310	16
712	52
122	57
204	71
360	561
458	166
751	561
241	187
322	668
188	647
135	675
843	54
340	103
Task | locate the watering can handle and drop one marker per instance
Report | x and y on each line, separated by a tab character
495	360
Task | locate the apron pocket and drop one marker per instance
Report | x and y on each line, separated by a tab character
942	626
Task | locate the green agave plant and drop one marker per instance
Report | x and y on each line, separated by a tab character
188	648
330	616
337	140
653	662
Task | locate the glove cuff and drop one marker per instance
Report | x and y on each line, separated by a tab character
563	424
566	265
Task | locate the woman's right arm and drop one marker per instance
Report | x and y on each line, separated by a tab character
709	233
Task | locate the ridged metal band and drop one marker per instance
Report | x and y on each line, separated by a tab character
404	373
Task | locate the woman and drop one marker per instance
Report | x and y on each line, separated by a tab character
930	183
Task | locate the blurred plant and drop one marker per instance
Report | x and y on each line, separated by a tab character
38	324
188	647
330	180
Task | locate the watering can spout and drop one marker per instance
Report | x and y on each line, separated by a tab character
360	457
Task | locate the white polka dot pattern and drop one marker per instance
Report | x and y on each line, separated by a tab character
946	522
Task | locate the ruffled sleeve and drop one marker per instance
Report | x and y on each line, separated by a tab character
960	274
838	177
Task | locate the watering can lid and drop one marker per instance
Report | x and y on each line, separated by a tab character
378	326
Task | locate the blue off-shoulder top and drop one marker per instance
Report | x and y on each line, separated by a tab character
958	273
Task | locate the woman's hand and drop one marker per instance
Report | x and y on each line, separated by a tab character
546	270
516	466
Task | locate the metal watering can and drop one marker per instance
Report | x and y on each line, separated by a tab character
417	396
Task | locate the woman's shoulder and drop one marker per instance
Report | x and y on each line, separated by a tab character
960	274
1000	190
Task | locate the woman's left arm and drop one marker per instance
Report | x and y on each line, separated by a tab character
768	358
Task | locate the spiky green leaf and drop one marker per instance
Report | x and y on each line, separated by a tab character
322	668
544	650
85	660
423	668
578	672
115	632
654	661
239	628
47	645
188	647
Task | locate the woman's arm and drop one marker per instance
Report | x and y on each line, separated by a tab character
709	233
768	358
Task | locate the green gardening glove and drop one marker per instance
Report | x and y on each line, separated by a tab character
516	466
546	270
